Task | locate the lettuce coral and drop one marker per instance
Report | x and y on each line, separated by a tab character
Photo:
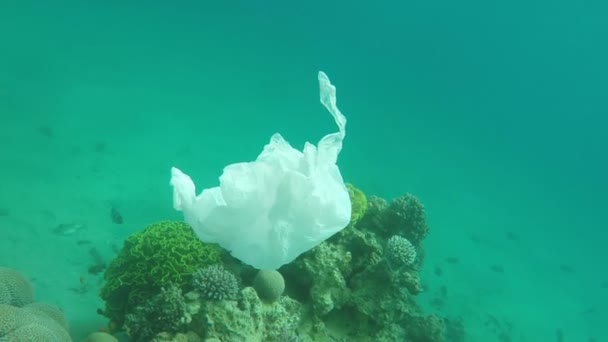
165	253
358	203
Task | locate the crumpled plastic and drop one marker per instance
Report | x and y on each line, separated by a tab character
269	211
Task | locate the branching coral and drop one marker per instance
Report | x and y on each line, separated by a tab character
215	283
406	216
400	252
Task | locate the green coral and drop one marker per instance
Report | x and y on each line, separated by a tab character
358	203
164	253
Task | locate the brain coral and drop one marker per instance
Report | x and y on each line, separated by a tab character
165	253
51	311
15	289
20	324
269	284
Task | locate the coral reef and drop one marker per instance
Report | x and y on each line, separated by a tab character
327	267
359	285
22	319
348	276
215	283
165	312
248	319
163	254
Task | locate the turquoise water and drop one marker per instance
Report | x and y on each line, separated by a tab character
493	114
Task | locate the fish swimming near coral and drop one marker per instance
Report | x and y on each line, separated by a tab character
70	228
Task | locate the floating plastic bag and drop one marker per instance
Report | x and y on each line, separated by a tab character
269	211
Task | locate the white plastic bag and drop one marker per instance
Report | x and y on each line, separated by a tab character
269	211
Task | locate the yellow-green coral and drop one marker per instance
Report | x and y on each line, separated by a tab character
358	202
164	253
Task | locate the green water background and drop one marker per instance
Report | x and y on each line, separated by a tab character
492	113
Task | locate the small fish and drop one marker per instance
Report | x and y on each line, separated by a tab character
452	260
46	131
566	268
512	236
497	268
66	229
116	216
559	335
589	311
100	147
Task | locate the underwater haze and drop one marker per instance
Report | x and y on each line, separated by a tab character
494	114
